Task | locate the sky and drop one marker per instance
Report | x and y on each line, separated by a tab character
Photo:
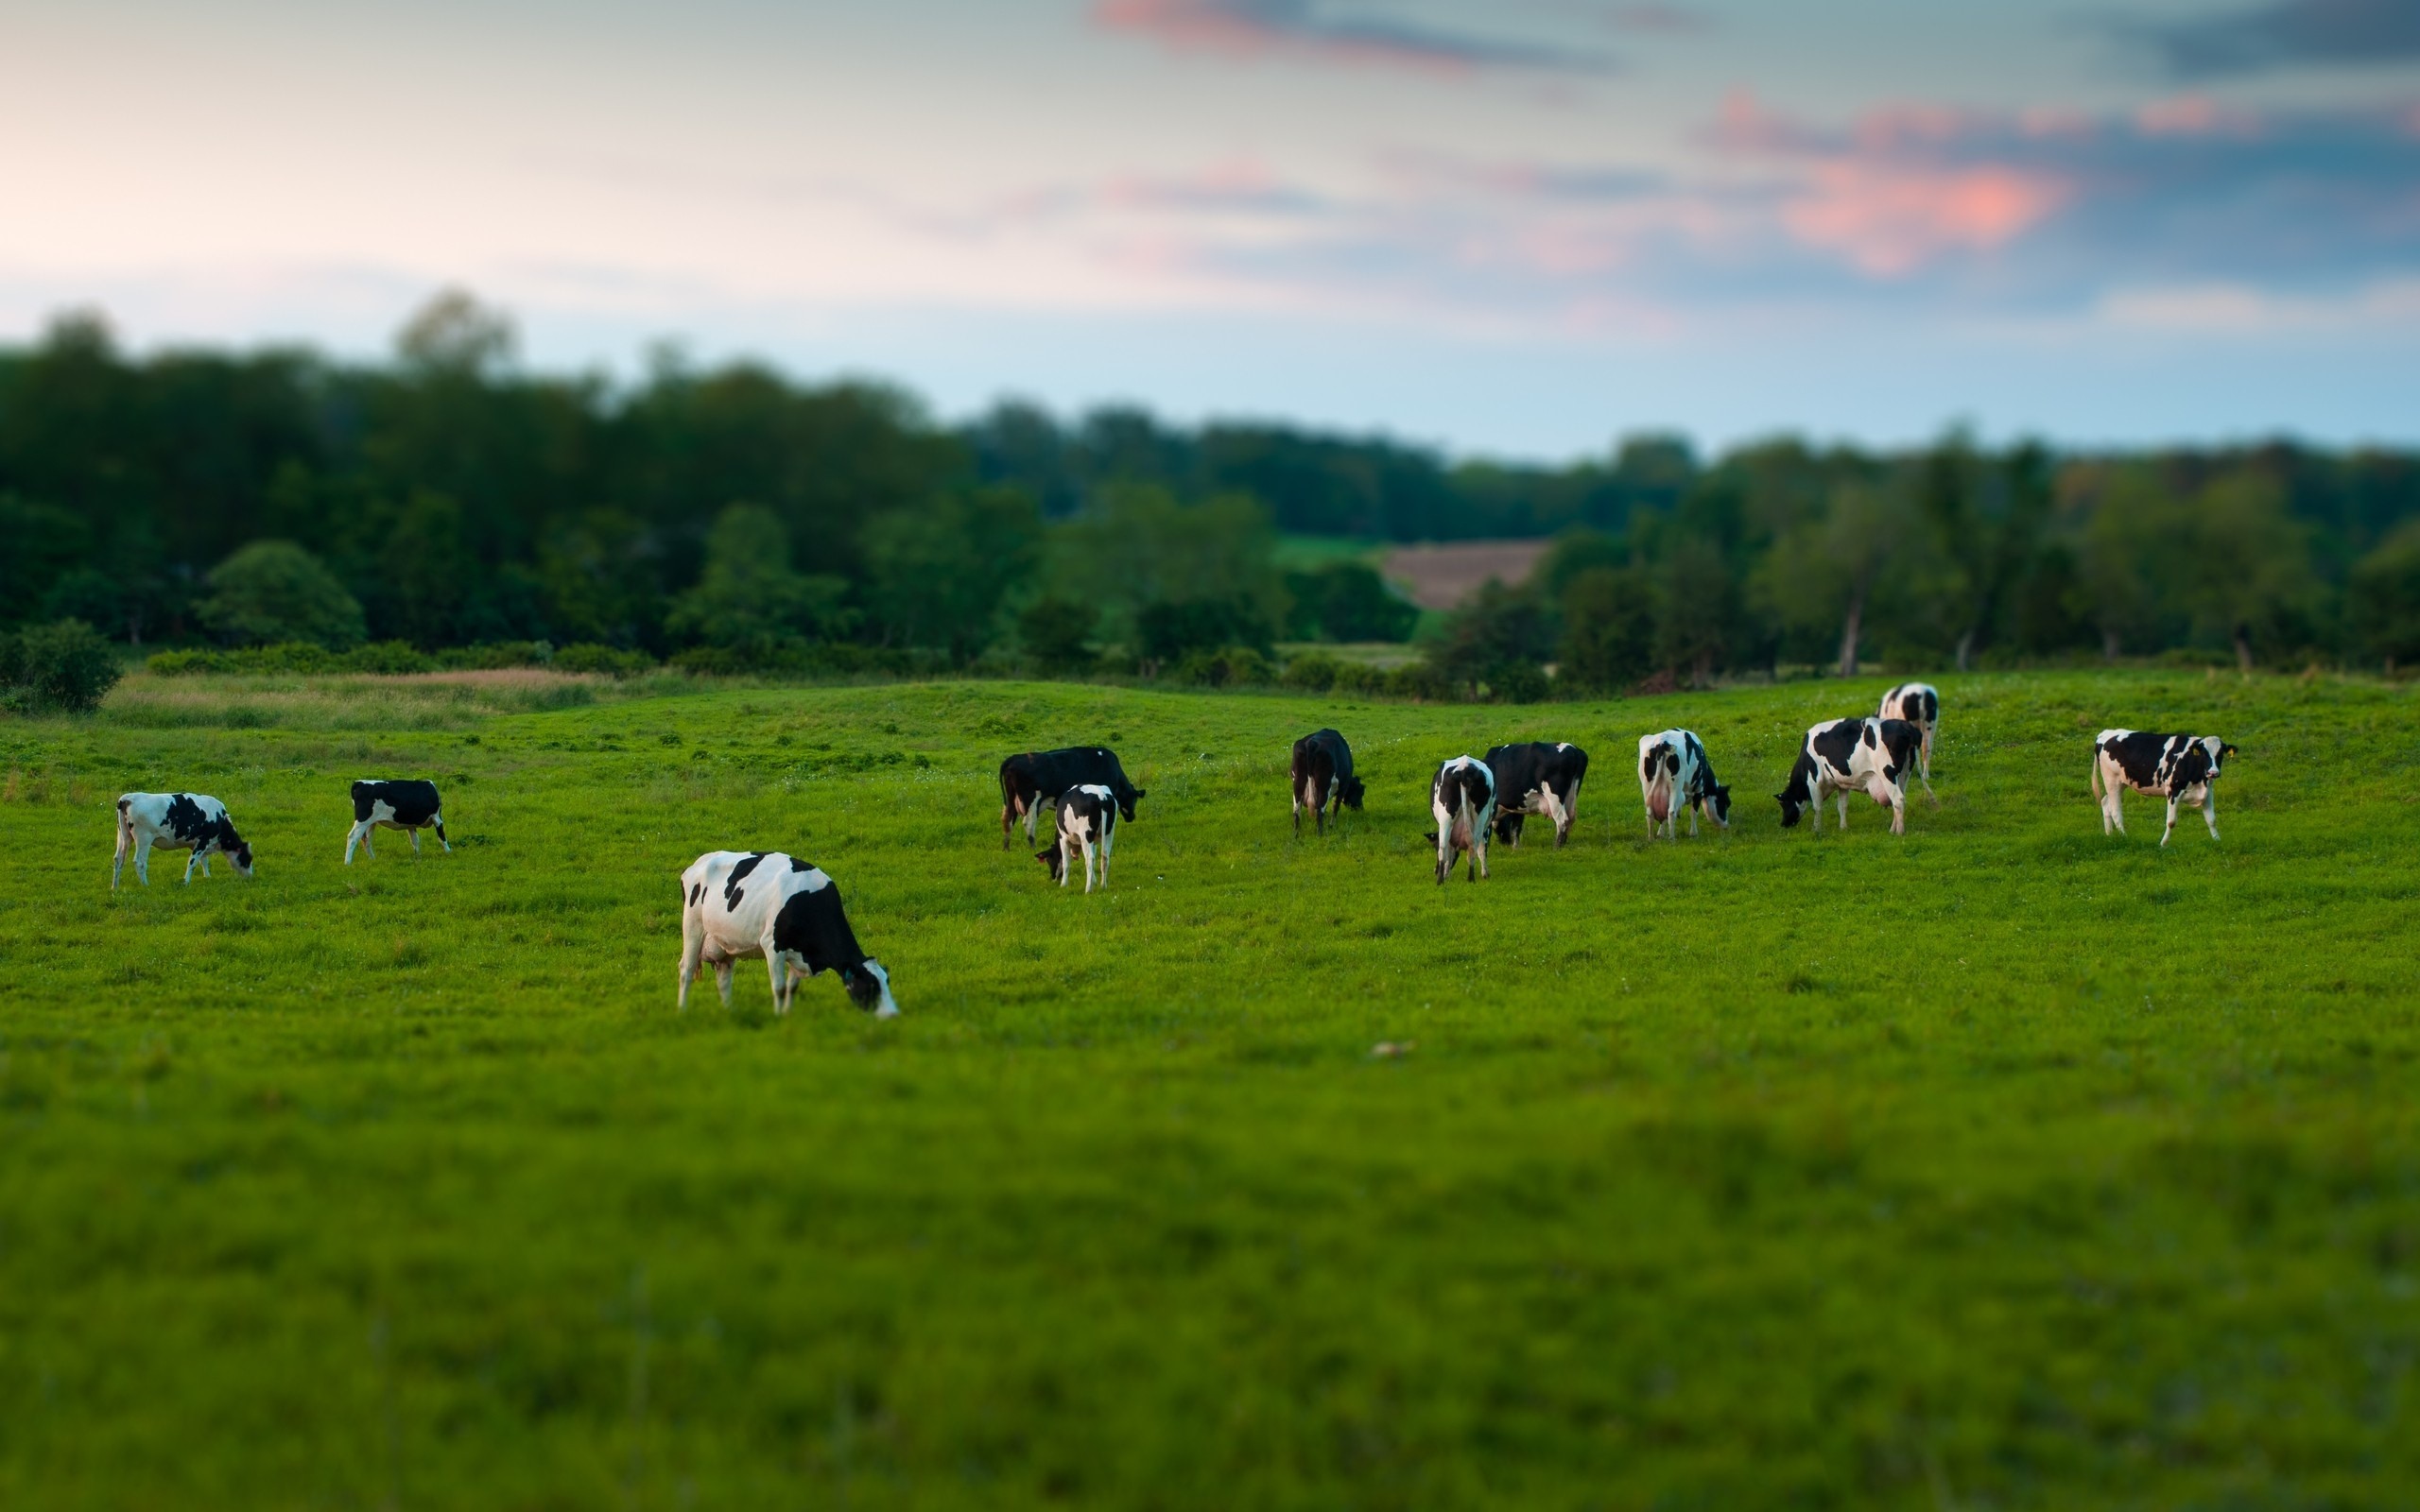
1518	228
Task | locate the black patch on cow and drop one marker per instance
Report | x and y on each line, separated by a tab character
187	822
739	874
1525	772
1037	777
796	864
697	890
1932	706
414	802
814	926
1836	743
2137	757
1902	740
1799	795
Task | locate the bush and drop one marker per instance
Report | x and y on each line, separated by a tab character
490	656
589	657
393	657
1518	682
1227	667
1311	673
65	664
1422	681
1054	630
1358	678
274	590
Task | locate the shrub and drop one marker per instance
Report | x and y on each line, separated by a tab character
1227	667
589	657
65	664
1358	678
185	663
490	656
1311	673
1422	681
1518	682
274	590
394	657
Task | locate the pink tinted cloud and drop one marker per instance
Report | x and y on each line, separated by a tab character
1275	29
1891	219
2195	116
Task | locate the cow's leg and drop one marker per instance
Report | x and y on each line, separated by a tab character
1298	815
370	839
693	943
1066	858
780	974
142	859
439	820
353	840
1108	843
1008	824
1088	866
1445	850
2171	820
2210	811
722	979
1693	820
415	835
191	857
206	862
1898	810
125	843
1821	798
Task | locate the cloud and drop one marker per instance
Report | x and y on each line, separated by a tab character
2287	34
2242	309
1299	28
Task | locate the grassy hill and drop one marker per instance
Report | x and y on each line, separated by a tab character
2002	1164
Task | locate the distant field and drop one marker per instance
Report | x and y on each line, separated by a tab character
1999	1165
1440	577
1298	553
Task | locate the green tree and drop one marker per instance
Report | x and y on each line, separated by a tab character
66	665
1697	607
748	600
1054	632
1500	630
2384	597
1987	517
2247	561
1824	571
274	590
1609	617
1139	546
938	575
2129	539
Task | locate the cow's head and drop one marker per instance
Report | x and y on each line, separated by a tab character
1348	793
1718	805
1052	859
2219	756
242	856
1508	824
1125	805
1792	807
869	987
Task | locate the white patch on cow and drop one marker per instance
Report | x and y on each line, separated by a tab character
886	1008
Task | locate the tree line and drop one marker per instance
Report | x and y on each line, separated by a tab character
734	519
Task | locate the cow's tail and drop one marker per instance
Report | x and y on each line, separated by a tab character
2093	781
1008	806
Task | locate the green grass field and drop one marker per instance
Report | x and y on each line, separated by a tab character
2001	1165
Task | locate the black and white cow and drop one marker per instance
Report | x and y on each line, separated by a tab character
1919	704
1321	778
1844	756
1087	822
1463	797
1536	778
1038	777
2179	768
736	905
408	805
176	821
1674	774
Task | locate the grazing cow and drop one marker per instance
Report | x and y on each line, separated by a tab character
410	806
176	821
1087	821
1321	778
1674	774
1919	704
741	903
1463	800
1036	778
2179	768
1536	778
1842	756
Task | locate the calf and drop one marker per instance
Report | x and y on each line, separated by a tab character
1841	756
1674	774
408	806
1321	778
741	903
1536	778
2177	767
1919	705
176	821
1463	800
1087	821
1036	778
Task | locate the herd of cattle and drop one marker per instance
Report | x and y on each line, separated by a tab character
739	905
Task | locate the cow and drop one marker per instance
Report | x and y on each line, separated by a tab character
1321	778
408	805
1674	774
1087	821
1036	778
736	905
1463	797
2177	767
176	821
1919	704
1841	756
1536	778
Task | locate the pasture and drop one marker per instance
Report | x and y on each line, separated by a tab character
2001	1165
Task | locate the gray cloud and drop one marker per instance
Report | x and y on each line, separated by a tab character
2289	34
1301	29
